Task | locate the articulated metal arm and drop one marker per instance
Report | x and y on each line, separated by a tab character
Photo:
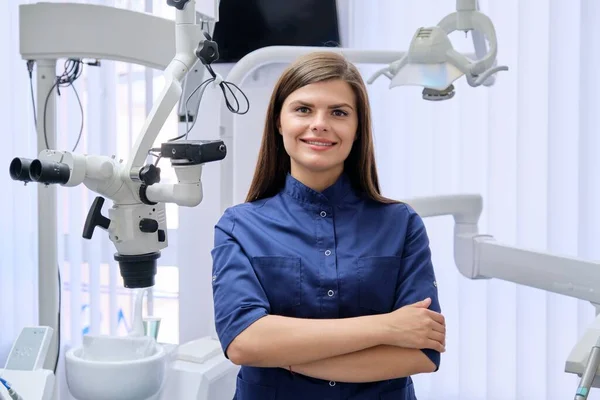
480	256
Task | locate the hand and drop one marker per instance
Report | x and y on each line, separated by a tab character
415	326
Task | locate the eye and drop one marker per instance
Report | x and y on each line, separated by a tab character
302	110
340	113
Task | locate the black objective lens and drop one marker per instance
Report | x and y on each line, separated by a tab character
19	169
49	172
138	271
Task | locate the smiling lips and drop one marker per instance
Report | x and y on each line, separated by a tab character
319	144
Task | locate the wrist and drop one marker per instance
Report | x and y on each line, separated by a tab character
381	329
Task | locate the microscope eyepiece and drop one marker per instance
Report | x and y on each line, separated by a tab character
19	169
49	172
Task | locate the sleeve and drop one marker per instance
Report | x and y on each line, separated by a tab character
239	299
417	278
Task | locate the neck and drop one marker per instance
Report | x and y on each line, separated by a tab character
317	181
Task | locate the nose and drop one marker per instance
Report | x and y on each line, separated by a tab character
320	122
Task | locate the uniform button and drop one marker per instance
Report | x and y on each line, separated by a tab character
327	252
331	383
323	214
330	293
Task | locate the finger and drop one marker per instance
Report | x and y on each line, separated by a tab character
437	317
437	327
438	337
423	303
435	345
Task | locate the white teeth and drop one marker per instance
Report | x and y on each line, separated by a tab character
319	143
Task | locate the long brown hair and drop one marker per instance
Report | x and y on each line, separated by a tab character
273	163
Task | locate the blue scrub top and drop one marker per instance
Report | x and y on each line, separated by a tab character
309	254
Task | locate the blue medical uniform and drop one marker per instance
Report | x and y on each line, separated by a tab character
309	254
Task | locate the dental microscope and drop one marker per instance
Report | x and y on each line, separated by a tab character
136	222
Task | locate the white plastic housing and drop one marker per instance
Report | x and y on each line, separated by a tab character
36	385
30	349
579	355
124	229
100	174
559	274
103	32
200	371
426	63
186	192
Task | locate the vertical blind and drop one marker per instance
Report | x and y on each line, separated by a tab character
529	146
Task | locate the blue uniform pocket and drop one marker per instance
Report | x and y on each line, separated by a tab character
281	279
378	277
251	391
406	393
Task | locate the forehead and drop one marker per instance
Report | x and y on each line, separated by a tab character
327	92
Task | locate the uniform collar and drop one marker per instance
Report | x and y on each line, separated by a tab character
338	193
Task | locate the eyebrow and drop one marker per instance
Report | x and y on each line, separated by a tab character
340	105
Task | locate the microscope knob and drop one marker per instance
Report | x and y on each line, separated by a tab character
178	4
95	218
150	174
208	50
148	225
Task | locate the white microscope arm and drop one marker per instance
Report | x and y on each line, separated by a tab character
188	35
479	256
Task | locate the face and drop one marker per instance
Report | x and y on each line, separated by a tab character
318	123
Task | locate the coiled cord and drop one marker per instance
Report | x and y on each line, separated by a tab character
225	88
73	69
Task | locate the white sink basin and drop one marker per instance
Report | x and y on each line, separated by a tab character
113	377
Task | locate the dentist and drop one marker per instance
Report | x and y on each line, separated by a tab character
323	288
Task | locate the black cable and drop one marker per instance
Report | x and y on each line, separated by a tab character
202	86
73	70
30	71
225	86
158	156
59	319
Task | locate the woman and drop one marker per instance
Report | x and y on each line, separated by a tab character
323	288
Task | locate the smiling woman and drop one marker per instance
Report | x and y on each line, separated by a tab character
317	273
318	123
320	96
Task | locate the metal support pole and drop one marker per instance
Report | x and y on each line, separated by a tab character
48	290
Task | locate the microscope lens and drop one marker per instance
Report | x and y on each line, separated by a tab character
19	169
49	172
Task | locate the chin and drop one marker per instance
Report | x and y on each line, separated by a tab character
319	167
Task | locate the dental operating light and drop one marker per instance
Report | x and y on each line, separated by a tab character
433	63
